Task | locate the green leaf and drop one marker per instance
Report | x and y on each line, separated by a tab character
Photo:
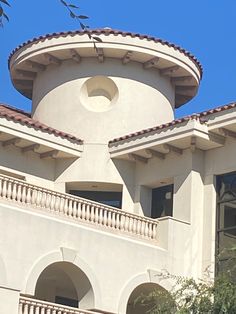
83	17
63	2
73	6
82	25
97	39
72	15
5	2
6	17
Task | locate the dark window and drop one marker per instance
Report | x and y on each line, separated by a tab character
66	301
162	201
226	223
108	198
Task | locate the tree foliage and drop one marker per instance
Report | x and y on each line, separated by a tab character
190	296
72	9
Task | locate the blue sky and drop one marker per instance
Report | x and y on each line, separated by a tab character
206	28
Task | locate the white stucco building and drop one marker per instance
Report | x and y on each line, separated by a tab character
101	189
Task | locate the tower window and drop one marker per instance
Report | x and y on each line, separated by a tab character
162	201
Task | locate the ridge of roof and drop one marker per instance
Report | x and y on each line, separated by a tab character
201	116
24	118
107	32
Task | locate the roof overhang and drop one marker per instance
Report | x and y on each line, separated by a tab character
41	143
170	60
193	134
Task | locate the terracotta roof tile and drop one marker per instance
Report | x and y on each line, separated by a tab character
24	118
107	32
202	116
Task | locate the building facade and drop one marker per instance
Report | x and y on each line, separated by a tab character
101	188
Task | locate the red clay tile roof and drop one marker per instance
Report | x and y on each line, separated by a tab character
107	32
24	118
202	116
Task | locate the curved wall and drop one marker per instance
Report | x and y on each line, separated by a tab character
101	101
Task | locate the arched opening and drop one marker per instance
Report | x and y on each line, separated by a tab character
145	296
64	283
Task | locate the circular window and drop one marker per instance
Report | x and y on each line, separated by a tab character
99	93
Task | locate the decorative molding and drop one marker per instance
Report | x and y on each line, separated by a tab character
150	63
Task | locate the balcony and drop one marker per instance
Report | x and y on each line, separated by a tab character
79	210
33	306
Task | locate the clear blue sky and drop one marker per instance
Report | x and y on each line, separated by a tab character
206	28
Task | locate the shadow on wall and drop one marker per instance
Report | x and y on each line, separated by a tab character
68	72
64	283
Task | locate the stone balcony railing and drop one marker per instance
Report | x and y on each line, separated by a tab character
76	208
32	306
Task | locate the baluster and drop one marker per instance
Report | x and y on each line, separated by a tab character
79	210
130	224
150	230
142	227
109	220
14	193
44	198
134	226
61	205
42	310
31	309
138	230
48	201
96	215
92	215
34	196
28	195
83	214
20	308
117	221
146	229
57	204
26	307
52	202
122	222
54	311
70	208
88	212
105	217
38	198
126	226
75	212
9	190
100	220
48	311
154	232
4	189
37	308
23	195
113	220
18	195
66	207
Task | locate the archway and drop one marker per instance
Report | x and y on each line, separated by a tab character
141	300
64	283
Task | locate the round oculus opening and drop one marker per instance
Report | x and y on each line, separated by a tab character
99	93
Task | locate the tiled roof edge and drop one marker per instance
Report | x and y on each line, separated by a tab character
201	116
108	32
25	119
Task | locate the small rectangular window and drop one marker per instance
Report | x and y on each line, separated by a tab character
107	198
162	201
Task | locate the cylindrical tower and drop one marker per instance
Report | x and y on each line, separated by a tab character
105	88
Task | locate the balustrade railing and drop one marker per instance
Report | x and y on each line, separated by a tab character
76	208
32	306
